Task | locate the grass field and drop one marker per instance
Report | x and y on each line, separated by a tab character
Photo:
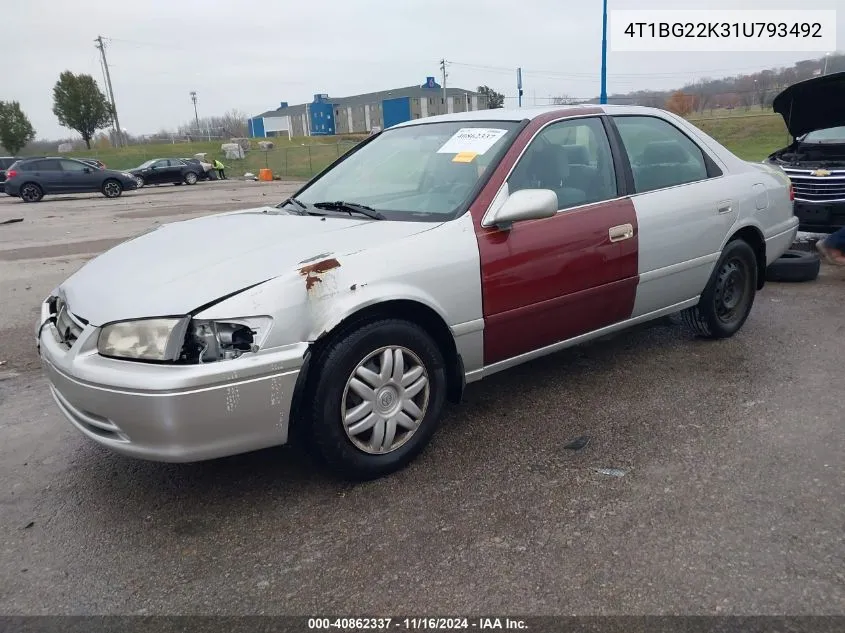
752	134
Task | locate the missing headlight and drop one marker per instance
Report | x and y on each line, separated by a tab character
210	341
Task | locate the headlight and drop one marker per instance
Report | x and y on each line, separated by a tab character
210	341
128	175
145	339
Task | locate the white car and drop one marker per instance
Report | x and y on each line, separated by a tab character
432	255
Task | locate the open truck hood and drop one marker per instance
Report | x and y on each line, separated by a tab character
814	104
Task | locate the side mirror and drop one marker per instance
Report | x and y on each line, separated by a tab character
87	170
525	204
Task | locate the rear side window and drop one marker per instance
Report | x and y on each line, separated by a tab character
46	165
660	154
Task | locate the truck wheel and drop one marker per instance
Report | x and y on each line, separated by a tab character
377	399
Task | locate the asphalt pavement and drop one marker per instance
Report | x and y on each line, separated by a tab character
727	497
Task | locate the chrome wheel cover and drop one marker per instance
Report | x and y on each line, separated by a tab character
385	400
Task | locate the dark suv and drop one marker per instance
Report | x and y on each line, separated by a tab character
30	179
5	163
814	113
160	171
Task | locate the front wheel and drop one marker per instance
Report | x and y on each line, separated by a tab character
140	181
377	399
112	189
729	295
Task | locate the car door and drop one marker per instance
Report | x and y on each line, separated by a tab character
48	173
79	177
684	210
159	172
548	280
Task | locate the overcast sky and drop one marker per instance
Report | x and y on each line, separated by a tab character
287	50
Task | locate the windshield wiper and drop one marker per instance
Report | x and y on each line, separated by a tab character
350	208
293	200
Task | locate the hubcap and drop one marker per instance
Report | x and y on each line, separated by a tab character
385	400
112	189
731	290
29	193
140	181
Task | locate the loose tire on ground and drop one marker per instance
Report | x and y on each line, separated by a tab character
112	188
331	393
794	265
30	192
729	295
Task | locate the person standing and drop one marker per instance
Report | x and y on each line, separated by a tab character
832	248
220	167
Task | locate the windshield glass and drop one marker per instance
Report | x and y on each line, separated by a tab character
145	165
830	135
425	171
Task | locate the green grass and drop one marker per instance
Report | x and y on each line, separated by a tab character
751	133
751	137
299	158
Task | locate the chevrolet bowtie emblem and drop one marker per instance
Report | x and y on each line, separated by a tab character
820	172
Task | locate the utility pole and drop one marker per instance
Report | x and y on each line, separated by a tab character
196	116
100	45
445	74
603	98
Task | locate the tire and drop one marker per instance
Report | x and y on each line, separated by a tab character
112	188
729	295
191	178
352	455
794	265
30	192
140	181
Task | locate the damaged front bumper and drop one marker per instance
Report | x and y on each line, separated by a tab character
171	413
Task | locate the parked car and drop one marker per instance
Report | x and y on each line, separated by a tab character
30	179
160	171
814	113
205	169
94	162
435	254
5	163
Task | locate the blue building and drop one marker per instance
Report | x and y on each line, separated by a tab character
360	114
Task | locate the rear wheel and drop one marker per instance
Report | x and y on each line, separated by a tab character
112	189
190	178
729	295
377	398
30	192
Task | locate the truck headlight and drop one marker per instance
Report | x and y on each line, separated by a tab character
158	339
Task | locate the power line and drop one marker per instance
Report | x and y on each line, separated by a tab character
102	47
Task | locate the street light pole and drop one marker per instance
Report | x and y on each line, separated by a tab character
603	98
196	116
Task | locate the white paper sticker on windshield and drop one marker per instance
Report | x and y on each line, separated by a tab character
475	140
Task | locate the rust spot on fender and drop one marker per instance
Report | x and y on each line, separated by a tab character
313	271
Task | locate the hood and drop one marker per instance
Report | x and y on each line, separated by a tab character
814	104
181	266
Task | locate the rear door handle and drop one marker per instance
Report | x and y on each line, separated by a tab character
621	232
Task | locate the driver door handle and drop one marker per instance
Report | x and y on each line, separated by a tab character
621	232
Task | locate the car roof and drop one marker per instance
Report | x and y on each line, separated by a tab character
531	112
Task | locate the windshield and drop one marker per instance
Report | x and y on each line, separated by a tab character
829	135
425	171
146	164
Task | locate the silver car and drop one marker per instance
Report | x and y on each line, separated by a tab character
435	253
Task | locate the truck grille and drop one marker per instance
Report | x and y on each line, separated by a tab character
809	188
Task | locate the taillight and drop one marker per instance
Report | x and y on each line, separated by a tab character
11	174
791	192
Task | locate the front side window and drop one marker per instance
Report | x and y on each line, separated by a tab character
660	154
162	163
415	171
573	159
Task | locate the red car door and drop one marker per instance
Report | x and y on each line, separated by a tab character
548	280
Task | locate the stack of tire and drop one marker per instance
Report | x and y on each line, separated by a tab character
799	263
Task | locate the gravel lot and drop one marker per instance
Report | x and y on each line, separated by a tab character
733	500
